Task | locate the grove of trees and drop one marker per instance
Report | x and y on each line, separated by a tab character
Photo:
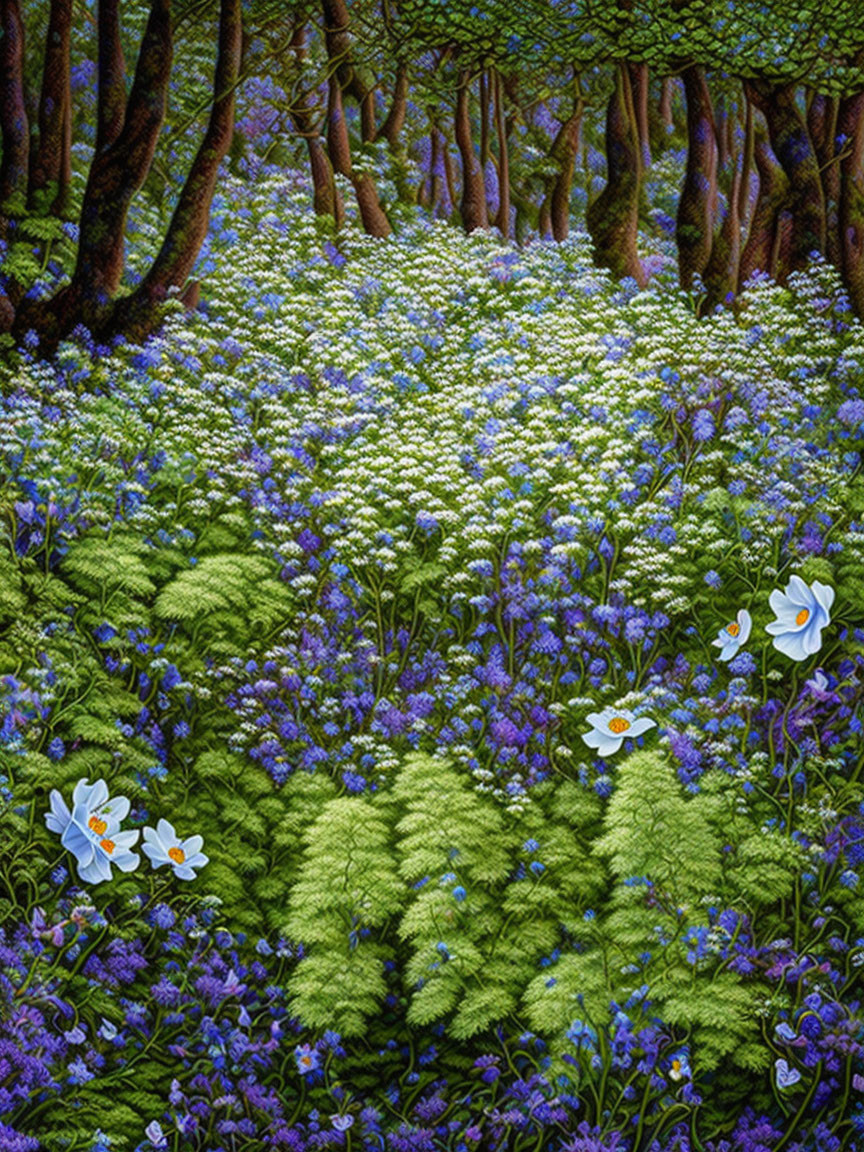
486	113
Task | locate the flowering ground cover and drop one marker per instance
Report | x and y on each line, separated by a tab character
430	708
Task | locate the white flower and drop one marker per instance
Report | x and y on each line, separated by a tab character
802	612
163	846
611	726
91	831
734	635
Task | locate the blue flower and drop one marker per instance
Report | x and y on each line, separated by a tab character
163	846
307	1059
802	612
732	636
155	1135
609	728
679	1069
91	831
786	1077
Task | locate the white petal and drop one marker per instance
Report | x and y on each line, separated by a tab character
799	593
824	593
166	832
156	854
192	845
641	725
745	624
608	746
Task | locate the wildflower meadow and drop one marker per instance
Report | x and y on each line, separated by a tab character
432	657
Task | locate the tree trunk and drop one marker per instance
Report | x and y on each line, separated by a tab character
187	231
14	125
639	79
326	197
473	207
759	253
502	220
851	207
484	120
337	37
660	121
721	272
116	174
392	127
372	215
822	126
111	108
613	218
565	148
793	148
51	161
694	226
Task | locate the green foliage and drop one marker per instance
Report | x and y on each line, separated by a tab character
347	889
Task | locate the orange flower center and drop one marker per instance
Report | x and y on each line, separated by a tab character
618	725
108	845
733	629
96	825
802	617
177	855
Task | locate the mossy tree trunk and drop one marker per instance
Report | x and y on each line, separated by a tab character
613	218
791	144
51	160
694	225
473	204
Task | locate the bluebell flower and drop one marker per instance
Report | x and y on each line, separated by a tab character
802	612
734	635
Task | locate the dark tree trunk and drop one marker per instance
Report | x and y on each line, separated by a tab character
187	231
502	220
337	37
116	173
374	220
660	121
111	108
51	161
851	207
565	148
747	165
473	206
639	80
14	125
694	226
793	148
613	218
391	129
484	120
760	251
721	272
326	197
822	126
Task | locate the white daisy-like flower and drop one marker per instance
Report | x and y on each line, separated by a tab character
611	727
162	845
91	830
734	635
802	611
